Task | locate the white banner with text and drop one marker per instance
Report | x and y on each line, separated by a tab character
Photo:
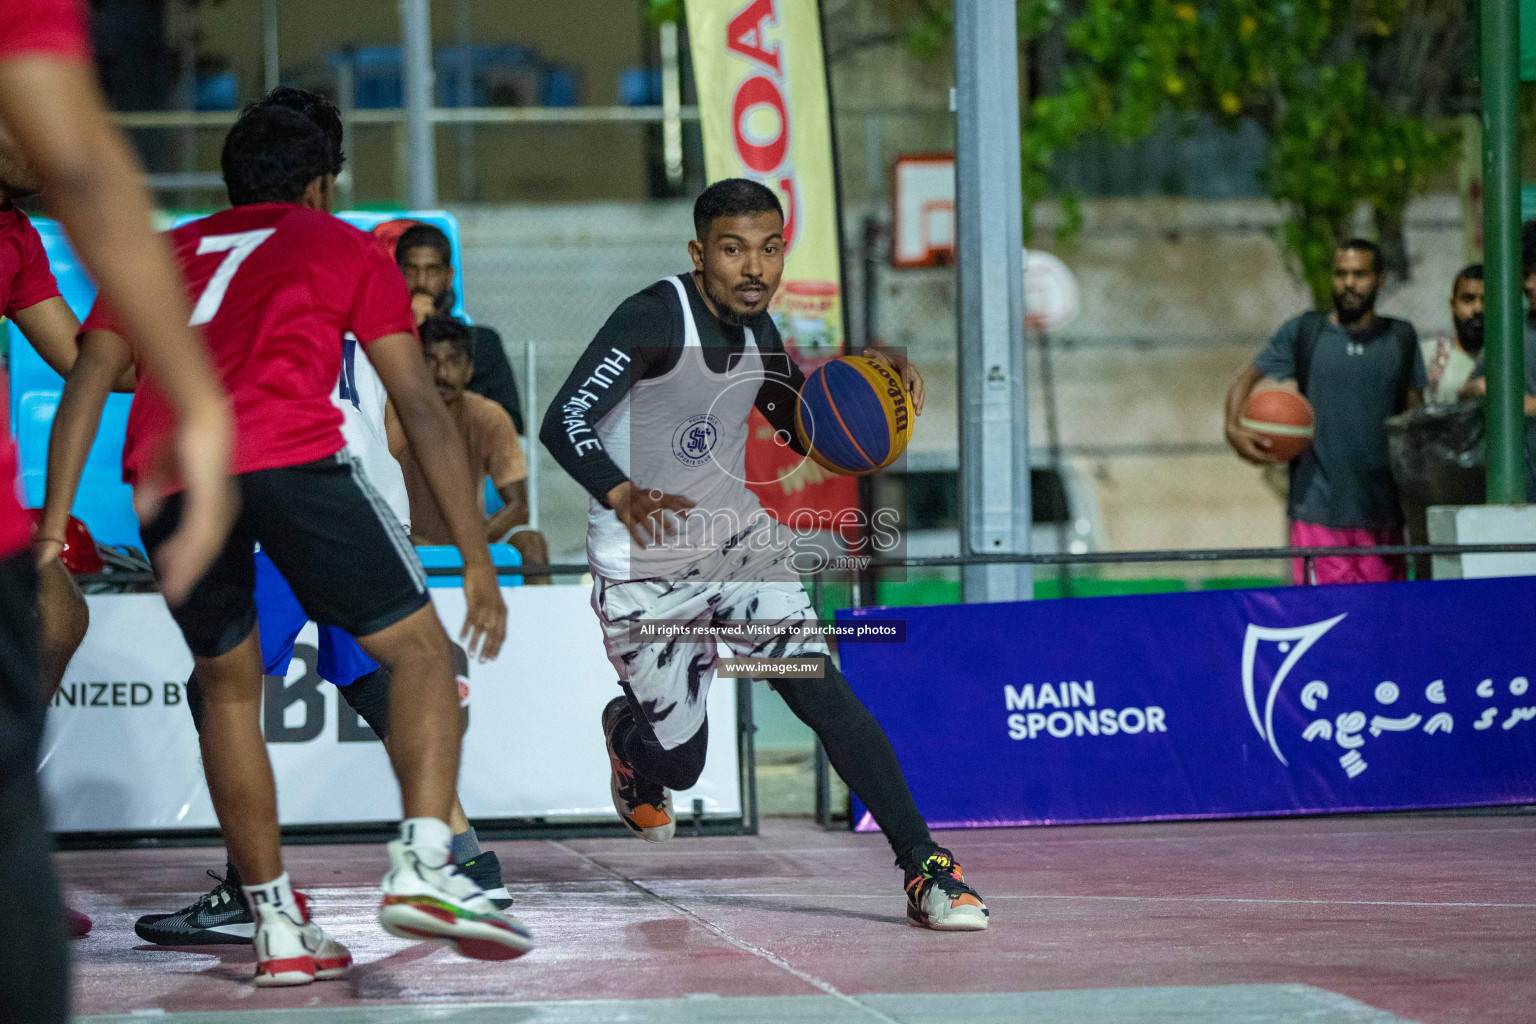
120	752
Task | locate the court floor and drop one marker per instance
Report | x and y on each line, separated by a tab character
1368	920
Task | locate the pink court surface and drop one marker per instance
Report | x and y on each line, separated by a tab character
1367	920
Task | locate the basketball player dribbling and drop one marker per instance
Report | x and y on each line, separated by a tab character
676	535
276	282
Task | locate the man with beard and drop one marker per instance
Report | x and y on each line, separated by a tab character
1454	362
652	422
1478	386
1356	368
425	256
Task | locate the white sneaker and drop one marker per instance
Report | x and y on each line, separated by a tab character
296	952
644	806
439	903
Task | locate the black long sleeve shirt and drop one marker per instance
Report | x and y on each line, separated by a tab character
644	339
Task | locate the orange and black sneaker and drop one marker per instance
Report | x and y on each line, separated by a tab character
938	898
644	806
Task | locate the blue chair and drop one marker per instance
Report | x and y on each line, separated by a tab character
447	557
104	503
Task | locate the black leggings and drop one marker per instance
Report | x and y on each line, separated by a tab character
856	746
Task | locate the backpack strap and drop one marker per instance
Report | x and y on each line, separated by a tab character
1310	329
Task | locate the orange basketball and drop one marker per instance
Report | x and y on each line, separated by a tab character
1284	418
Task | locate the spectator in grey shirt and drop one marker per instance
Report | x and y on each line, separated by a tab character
1356	368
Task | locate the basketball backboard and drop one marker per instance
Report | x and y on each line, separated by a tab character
923	205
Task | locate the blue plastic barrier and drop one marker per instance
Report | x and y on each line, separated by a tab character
503	556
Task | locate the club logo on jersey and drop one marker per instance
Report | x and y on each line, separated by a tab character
694	441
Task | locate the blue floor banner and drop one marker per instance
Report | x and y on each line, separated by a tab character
1236	703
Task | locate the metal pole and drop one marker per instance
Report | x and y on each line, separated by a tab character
271	64
464	34
416	67
530	417
994	398
186	88
346	102
672	105
1501	250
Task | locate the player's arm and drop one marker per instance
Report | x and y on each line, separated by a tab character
57	115
430	433
51	326
1275	366
102	360
508	471
619	355
52	329
777	399
513	513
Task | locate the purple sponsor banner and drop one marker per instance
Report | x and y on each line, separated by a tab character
1237	703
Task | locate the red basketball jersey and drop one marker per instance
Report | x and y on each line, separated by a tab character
53	27
273	287
25	280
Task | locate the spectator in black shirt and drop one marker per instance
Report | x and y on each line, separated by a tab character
425	257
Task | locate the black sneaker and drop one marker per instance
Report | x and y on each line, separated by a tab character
485	871
217	917
644	806
938	898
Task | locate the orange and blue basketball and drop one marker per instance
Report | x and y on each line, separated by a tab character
854	415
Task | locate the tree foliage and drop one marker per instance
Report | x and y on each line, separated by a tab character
1346	91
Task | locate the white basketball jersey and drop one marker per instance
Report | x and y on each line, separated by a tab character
683	433
361	397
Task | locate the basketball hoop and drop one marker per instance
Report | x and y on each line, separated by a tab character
1050	290
923	211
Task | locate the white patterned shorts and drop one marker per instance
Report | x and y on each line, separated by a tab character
671	679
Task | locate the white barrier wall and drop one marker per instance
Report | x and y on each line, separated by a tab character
120	752
1482	524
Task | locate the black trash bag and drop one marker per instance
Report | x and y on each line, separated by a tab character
1439	457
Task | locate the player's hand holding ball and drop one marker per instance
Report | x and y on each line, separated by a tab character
1274	424
906	370
855	413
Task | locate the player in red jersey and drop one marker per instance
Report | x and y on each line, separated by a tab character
36	306
275	282
51	105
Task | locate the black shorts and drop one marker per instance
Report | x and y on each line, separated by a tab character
333	538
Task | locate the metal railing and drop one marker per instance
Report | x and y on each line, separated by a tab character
438	115
1204	555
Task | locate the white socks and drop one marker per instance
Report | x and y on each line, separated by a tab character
272	897
430	838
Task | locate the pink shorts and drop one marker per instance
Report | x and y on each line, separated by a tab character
1365	569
